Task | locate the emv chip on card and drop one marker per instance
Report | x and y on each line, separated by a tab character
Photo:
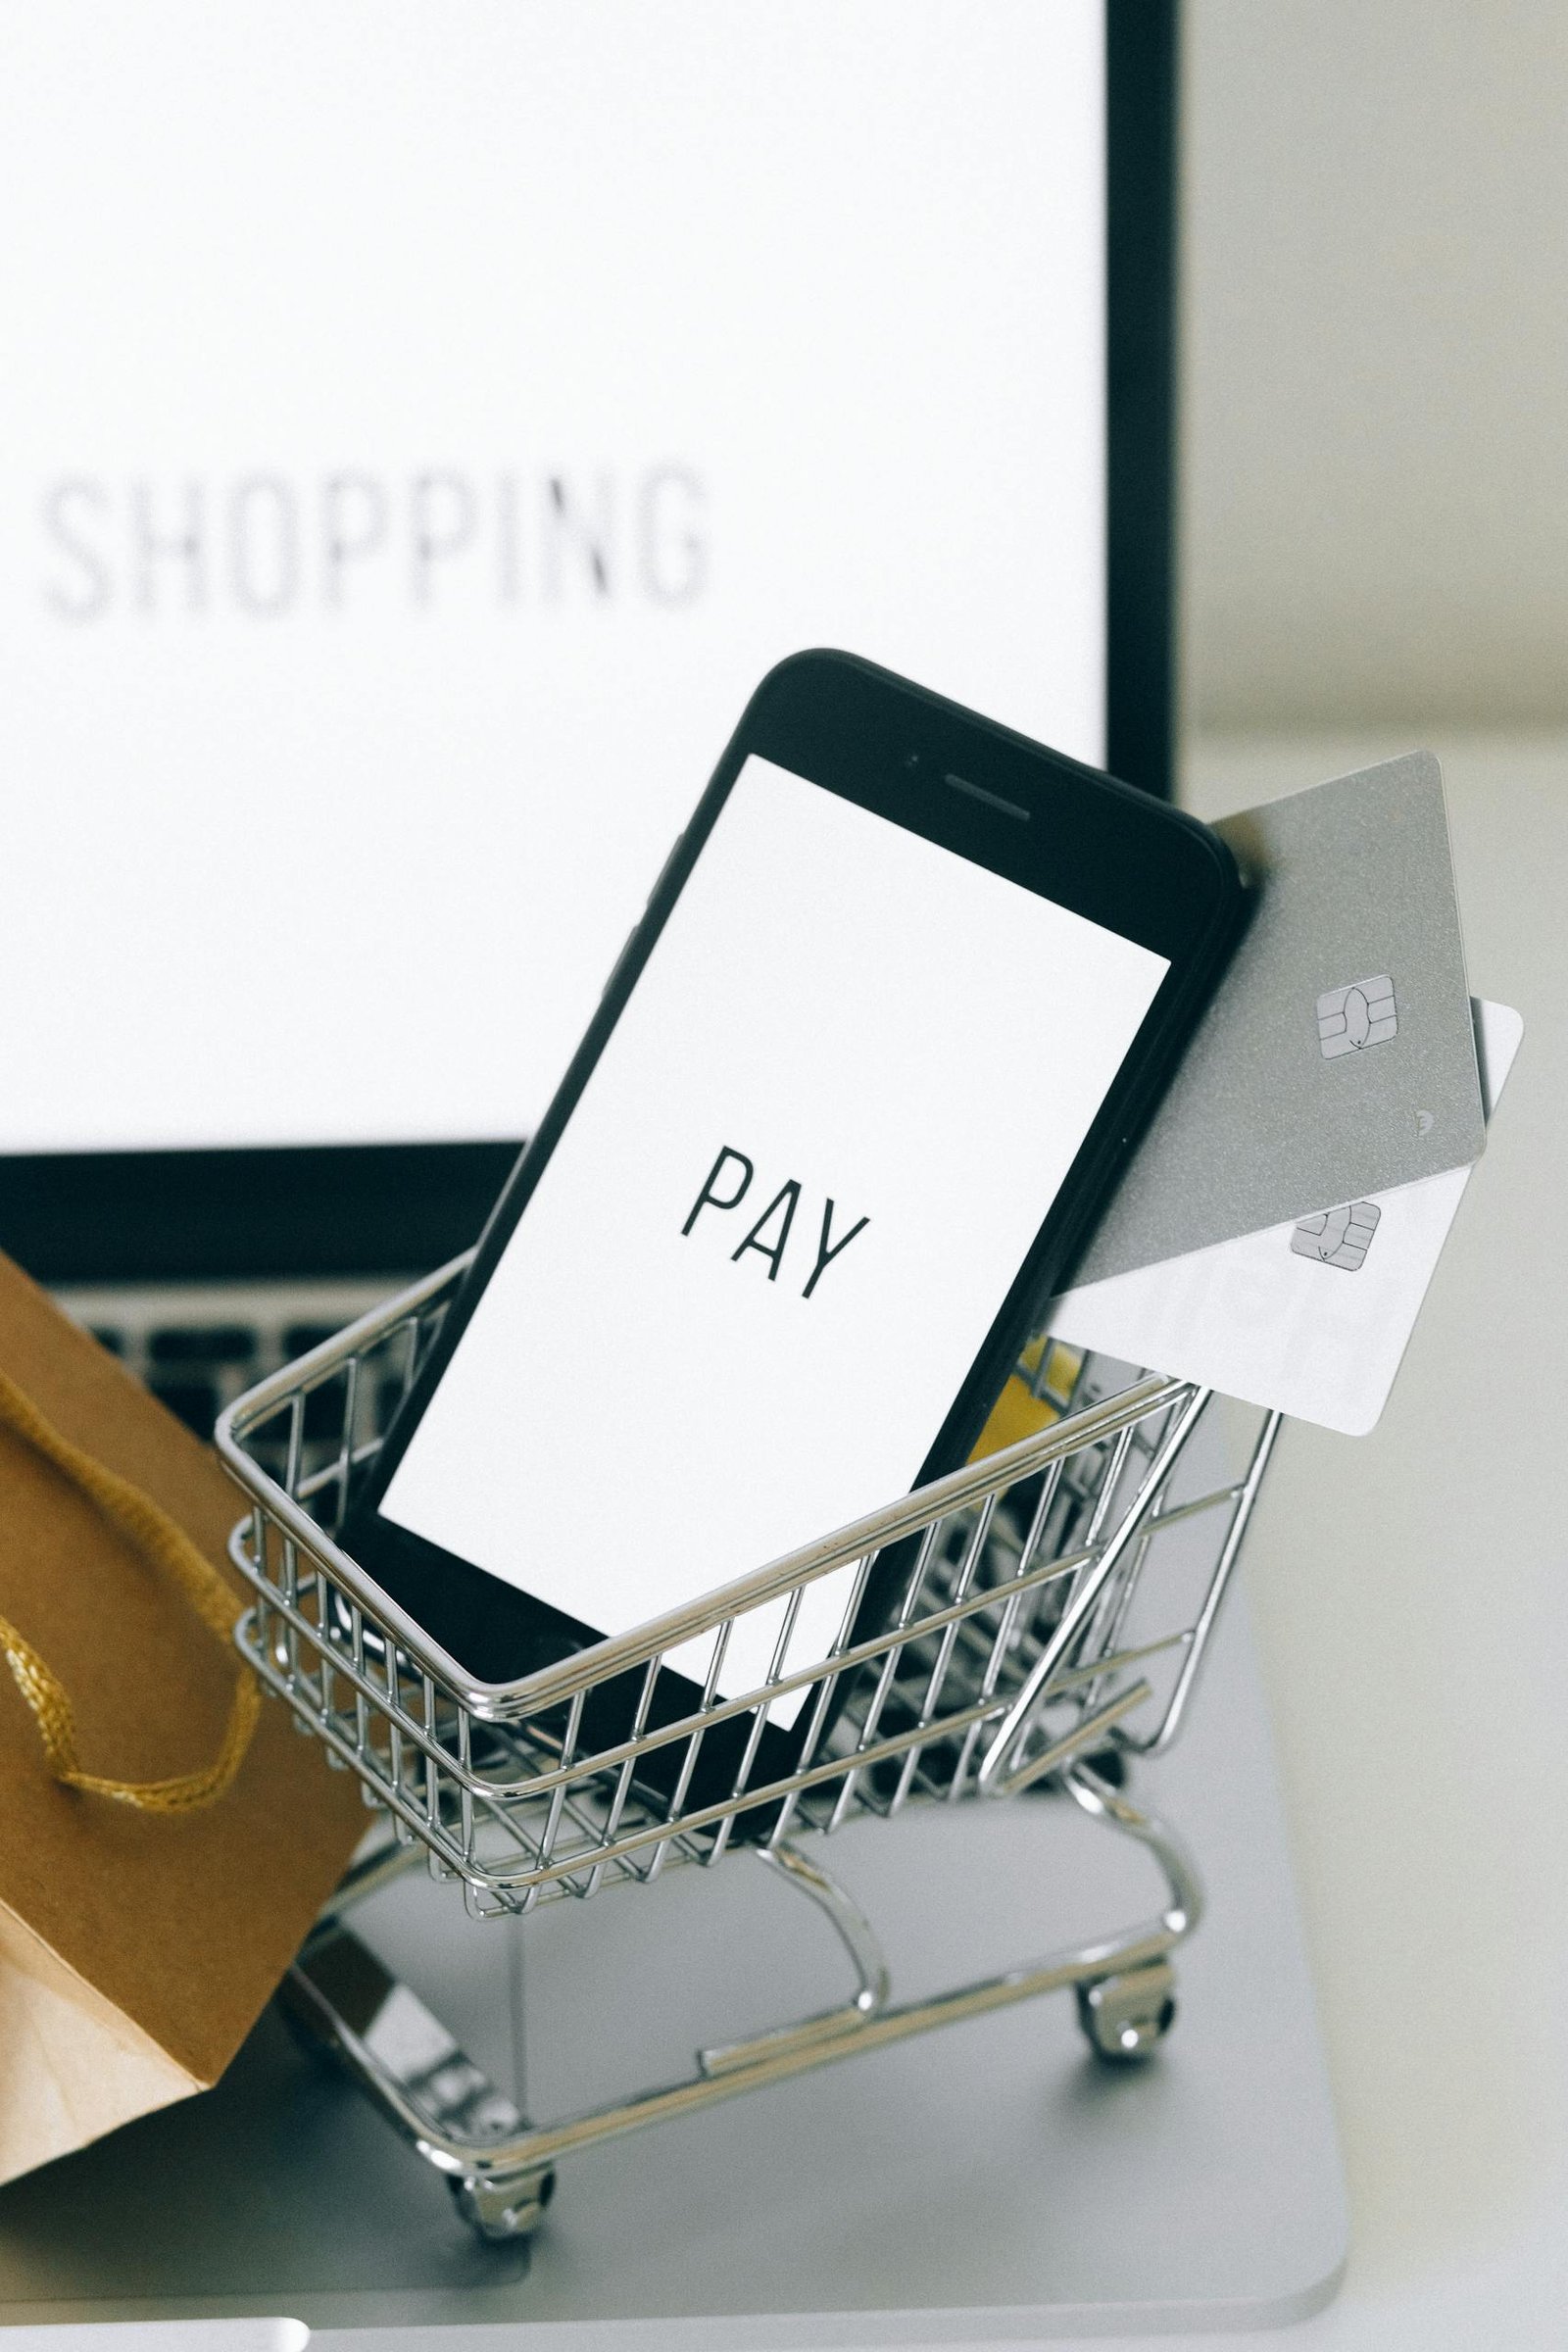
1336	1058
1311	1317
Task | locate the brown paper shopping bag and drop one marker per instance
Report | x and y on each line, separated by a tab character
164	1842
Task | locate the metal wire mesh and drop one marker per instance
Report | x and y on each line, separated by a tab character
1051	1601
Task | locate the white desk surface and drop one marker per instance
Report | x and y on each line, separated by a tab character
1412	1600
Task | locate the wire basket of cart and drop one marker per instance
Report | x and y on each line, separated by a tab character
1054	1600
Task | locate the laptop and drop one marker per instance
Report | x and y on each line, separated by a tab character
429	430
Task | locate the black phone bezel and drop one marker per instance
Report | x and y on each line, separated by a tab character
1030	815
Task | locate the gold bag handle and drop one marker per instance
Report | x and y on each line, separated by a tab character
156	1536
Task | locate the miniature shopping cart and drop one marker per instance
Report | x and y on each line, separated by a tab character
1056	1601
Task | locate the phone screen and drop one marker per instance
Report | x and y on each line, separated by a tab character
775	1231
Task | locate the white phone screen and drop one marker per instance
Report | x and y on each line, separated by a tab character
770	1241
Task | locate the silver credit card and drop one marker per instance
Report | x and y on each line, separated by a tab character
1337	1059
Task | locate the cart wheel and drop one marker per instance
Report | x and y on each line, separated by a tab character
1125	2018
505	2208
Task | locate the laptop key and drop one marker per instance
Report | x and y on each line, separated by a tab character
203	1344
194	1402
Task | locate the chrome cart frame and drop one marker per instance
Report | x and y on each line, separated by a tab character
1050	1628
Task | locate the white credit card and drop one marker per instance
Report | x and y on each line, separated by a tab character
1313	1317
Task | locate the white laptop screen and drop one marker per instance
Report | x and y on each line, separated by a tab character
424	428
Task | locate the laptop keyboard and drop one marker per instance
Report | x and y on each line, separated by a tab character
199	1346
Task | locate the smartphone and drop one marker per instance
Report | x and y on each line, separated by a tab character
904	996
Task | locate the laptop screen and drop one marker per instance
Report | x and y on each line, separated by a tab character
425	430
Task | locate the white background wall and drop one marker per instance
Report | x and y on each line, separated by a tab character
1376	365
